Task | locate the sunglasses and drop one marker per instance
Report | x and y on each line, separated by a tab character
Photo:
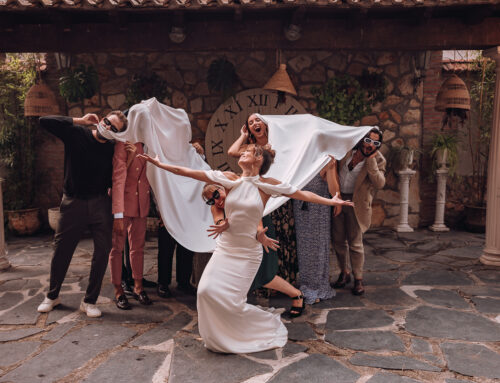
215	196
370	141
113	128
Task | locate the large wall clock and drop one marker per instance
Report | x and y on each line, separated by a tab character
225	125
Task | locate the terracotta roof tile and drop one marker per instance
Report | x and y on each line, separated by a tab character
21	4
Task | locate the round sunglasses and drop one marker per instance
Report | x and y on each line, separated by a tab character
215	196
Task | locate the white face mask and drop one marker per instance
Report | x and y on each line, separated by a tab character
104	132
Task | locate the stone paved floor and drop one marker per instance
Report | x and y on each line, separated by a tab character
431	313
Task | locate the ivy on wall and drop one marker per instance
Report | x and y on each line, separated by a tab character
345	99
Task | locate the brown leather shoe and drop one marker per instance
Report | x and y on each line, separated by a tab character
343	280
358	288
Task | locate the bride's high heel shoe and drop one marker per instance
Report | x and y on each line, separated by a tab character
297	311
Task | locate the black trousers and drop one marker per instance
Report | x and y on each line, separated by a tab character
76	216
183	257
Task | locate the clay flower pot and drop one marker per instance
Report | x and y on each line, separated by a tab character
24	222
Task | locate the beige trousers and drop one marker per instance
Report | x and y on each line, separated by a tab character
348	241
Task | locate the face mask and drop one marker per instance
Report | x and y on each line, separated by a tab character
105	133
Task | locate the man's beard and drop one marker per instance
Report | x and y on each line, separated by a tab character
367	154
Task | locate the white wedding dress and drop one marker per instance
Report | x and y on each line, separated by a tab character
227	323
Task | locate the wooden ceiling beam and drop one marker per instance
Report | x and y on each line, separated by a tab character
252	33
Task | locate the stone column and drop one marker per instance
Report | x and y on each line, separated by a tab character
4	263
404	191
441	175
491	251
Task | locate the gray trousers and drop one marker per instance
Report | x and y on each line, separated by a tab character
76	216
348	241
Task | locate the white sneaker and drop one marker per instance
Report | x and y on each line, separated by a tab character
91	310
48	304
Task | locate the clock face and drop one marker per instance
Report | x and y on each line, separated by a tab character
225	125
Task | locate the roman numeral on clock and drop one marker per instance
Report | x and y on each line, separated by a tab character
258	100
232	112
217	147
221	125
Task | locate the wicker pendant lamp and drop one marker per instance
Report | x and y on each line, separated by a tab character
40	101
281	82
453	94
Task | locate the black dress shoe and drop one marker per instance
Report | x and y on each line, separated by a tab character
127	288
187	289
343	280
143	298
358	288
146	283
163	291
122	303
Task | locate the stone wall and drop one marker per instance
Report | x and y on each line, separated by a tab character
399	115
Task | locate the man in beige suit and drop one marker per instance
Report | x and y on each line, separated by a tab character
361	172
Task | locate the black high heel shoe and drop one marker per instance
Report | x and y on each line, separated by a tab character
297	311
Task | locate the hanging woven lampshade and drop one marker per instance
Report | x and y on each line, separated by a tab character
40	101
281	82
453	94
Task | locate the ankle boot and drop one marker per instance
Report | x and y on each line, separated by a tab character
358	288
343	280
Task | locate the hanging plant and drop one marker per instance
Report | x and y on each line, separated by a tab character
79	83
146	85
374	84
222	77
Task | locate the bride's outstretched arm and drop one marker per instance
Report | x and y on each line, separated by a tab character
199	175
308	196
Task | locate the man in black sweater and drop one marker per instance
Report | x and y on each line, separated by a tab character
86	203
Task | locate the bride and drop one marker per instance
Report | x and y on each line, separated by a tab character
227	323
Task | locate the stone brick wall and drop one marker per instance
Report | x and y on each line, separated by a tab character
399	115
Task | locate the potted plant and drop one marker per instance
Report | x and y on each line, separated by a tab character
444	152
402	157
222	77
478	135
145	86
17	145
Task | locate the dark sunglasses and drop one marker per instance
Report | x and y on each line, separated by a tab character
211	201
113	128
370	141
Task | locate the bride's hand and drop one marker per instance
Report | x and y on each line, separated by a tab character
146	157
267	242
338	201
216	230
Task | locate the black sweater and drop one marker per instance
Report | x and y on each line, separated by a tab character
88	164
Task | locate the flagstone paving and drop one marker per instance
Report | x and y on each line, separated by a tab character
430	314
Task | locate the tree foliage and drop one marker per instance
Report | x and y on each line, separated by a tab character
17	133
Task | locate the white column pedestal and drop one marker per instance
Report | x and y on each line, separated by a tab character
4	263
441	175
491	252
404	190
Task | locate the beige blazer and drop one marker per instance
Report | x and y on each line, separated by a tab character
371	178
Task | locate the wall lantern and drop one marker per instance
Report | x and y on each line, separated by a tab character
177	35
40	101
